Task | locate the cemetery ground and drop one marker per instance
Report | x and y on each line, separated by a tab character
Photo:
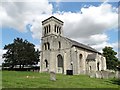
18	79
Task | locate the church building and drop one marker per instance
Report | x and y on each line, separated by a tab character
60	54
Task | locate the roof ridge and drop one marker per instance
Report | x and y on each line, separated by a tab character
86	46
52	17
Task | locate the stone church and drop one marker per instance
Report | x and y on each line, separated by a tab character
60	54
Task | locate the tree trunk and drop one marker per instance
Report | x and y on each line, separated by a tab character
20	66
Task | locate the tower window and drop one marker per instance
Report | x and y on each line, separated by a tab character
45	46
45	30
55	28
60	30
49	27
98	66
59	44
48	44
46	63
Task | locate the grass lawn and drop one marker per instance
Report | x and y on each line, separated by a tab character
15	79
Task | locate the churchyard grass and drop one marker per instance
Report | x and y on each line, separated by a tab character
18	79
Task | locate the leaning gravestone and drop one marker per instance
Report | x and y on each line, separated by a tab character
53	76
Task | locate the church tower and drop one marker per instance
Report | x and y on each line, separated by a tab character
52	28
52	25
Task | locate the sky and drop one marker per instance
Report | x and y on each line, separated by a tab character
91	23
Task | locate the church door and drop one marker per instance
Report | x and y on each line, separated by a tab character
60	64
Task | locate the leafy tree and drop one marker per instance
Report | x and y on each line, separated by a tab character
20	52
111	60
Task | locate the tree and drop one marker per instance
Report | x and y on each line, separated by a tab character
20	52
111	60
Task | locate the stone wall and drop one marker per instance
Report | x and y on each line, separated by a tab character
104	74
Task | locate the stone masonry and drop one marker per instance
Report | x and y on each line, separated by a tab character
59	53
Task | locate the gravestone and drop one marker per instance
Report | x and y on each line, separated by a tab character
105	74
53	76
98	74
117	74
111	75
92	74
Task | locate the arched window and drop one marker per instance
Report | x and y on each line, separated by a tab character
98	66
60	30
45	30
48	44
49	27
45	46
90	68
46	63
60	60
59	44
55	28
80	58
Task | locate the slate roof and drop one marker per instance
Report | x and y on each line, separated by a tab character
91	56
80	45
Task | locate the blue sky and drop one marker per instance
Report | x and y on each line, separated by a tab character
100	32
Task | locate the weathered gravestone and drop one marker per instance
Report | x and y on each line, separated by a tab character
117	74
105	74
98	74
112	75
92	74
53	76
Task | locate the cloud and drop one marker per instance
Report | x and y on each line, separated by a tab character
1	53
98	41
37	47
89	21
87	26
99	47
18	14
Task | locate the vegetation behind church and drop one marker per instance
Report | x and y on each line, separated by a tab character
111	59
21	53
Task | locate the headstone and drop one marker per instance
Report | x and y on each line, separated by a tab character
111	75
105	74
92	74
118	74
53	76
98	74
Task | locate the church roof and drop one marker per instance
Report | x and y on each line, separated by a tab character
91	56
77	44
54	18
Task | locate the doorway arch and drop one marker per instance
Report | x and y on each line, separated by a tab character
60	63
